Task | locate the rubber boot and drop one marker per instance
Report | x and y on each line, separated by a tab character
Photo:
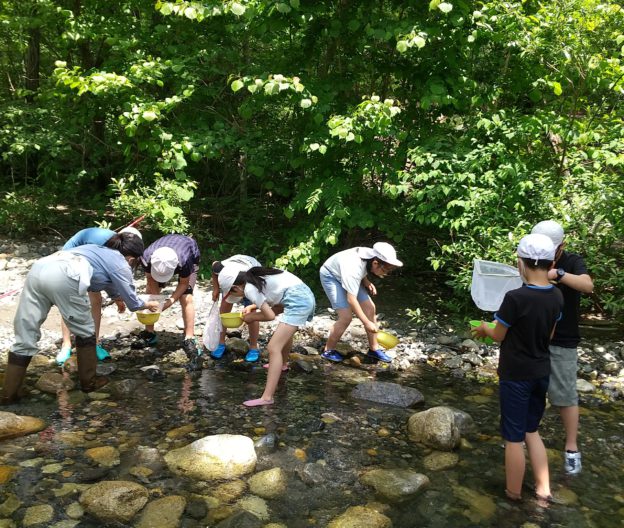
13	377
87	363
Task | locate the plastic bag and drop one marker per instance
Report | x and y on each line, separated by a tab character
212	330
490	282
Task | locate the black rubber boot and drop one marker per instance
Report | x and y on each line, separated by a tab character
13	377
87	363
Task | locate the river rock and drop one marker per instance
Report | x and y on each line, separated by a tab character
11	504
395	485
12	425
217	457
75	511
435	428
584	386
254	505
114	500
124	388
359	517
481	508
54	382
106	456
268	484
38	515
237	345
463	421
229	491
241	519
440	460
388	393
163	513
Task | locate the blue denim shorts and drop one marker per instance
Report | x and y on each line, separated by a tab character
299	305
336	294
522	405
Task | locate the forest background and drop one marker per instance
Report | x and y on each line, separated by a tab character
290	129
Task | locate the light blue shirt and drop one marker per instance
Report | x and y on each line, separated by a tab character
111	273
91	235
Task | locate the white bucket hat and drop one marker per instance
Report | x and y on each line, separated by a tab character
551	229
537	247
164	261
132	230
227	276
383	251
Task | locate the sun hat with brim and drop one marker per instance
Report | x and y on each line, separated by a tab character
132	230
551	229
163	263
536	247
227	276
382	251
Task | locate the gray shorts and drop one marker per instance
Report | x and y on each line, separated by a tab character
563	367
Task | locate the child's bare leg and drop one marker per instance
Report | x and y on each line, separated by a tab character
254	332
66	335
343	322
225	307
281	338
368	307
514	468
286	351
539	463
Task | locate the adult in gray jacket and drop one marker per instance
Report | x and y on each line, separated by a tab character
63	279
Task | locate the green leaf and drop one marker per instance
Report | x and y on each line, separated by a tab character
445	7
149	115
237	8
305	103
165	9
557	88
237	85
283	8
295	4
434	4
190	13
401	46
419	42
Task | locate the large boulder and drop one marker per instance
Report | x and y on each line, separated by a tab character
12	425
395	485
435	428
114	500
388	393
360	516
218	457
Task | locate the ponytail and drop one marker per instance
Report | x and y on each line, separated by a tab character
255	276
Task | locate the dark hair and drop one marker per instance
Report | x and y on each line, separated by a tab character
128	244
255	276
369	263
217	267
544	265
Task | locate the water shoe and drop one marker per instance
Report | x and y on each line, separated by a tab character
332	355
253	355
218	352
379	355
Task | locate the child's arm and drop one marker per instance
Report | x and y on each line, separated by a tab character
265	314
214	279
497	333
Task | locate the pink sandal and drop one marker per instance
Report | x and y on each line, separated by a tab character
284	367
257	402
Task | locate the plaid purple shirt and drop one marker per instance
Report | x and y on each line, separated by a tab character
185	248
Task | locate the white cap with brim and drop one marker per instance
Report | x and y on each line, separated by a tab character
551	229
132	230
227	276
163	263
382	251
537	247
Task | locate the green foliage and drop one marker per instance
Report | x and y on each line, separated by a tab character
27	211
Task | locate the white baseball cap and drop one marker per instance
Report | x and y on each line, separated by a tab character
164	261
537	247
227	276
551	229
383	251
132	230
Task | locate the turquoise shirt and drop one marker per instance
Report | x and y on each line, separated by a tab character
91	235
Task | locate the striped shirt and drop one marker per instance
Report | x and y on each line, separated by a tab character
185	248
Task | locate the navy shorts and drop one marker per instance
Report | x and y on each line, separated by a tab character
522	405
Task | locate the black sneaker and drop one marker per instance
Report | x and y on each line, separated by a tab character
145	340
190	348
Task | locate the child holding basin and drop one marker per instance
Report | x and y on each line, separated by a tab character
243	263
524	325
271	290
344	277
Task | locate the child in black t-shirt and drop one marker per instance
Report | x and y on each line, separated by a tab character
525	323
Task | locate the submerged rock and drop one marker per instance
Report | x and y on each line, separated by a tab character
268	484
395	484
360	517
53	382
388	393
440	460
214	458
241	519
106	456
38	515
163	513
114	500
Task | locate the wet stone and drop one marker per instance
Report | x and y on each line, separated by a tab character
395	484
357	516
268	484
388	393
39	515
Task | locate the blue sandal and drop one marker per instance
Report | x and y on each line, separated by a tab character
332	355
253	355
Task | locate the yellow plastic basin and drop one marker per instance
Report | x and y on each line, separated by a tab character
387	340
148	318
231	320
